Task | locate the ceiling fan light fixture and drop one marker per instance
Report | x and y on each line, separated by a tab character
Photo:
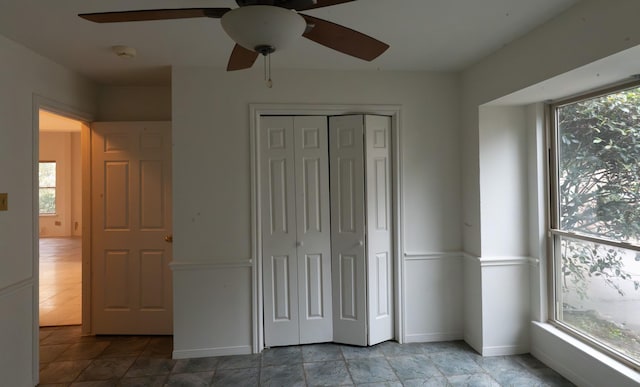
258	26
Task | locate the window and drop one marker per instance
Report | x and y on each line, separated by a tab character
47	183
595	220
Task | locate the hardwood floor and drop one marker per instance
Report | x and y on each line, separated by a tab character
60	281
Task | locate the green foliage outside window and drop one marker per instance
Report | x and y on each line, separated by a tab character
599	182
598	196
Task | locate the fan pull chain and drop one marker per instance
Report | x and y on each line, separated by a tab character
267	70
266	52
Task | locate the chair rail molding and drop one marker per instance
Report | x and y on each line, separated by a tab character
210	264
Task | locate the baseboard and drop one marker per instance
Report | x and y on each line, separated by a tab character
210	352
505	350
432	337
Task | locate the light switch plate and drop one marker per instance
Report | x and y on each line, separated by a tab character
4	201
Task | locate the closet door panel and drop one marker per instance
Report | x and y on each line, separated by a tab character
348	229
313	229
279	233
379	239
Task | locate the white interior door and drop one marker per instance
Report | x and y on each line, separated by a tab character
131	216
379	239
295	230
348	229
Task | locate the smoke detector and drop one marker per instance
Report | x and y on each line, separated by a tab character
124	51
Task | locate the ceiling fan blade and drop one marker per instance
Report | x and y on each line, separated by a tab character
154	14
303	5
244	3
241	58
298	5
343	39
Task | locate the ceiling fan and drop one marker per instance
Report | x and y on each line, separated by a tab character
264	26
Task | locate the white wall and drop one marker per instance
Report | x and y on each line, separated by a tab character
134	103
433	298
24	74
537	192
585	33
503	181
568	44
212	187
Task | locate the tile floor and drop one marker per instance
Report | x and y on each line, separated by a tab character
67	359
60	281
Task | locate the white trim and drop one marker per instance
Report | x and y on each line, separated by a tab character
505	350
209	352
428	256
40	102
209	265
398	224
255	111
433	337
25	283
319	109
503	261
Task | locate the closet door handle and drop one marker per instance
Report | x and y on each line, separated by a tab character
360	243
299	243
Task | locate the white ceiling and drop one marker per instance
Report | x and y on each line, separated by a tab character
435	35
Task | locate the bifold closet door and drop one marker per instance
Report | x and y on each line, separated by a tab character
362	264
346	147
295	230
379	250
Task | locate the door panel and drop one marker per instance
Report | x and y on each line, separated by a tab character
117	195
152	210
296	235
281	287
131	215
116	266
314	297
379	247
280	266
152	263
348	293
313	229
348	229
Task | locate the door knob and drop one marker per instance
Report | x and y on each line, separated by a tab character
300	243
360	243
168	238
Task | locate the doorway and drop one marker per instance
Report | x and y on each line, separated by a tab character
60	219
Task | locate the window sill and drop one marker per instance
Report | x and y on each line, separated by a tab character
578	361
48	215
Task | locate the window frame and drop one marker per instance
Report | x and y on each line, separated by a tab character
554	233
55	188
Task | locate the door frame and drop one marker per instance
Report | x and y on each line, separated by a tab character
258	110
40	102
